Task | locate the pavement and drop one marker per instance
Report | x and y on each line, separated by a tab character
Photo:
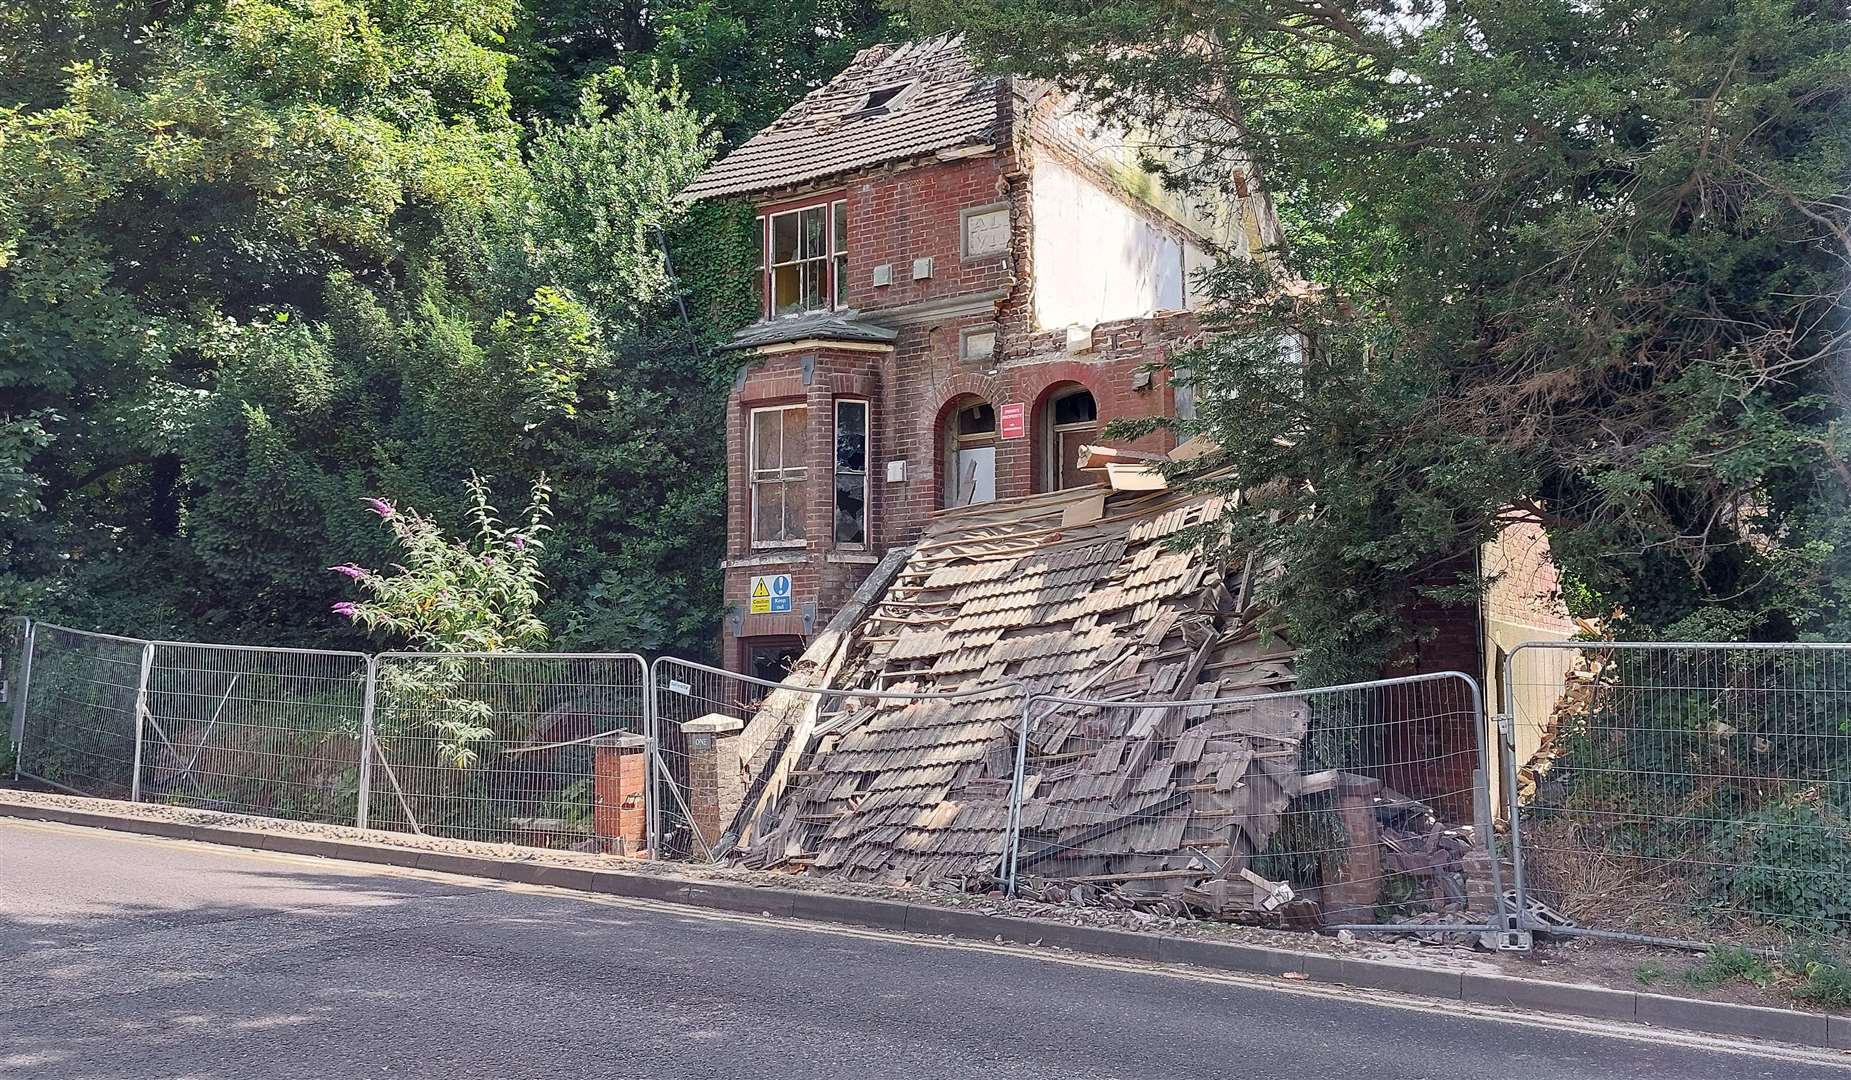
133	956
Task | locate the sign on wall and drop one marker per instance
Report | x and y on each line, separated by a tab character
771	594
1012	420
986	232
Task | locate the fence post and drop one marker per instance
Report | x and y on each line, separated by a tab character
652	780
25	689
364	802
141	718
1507	738
1012	840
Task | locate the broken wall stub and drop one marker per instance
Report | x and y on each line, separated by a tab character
1277	807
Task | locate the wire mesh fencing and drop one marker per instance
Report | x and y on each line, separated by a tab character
1362	806
1683	792
537	749
15	634
890	784
249	730
83	699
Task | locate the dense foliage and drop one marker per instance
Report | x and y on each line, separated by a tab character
259	260
1582	262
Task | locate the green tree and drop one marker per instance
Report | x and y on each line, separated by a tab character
1582	261
258	261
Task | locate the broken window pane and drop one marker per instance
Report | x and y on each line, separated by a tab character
813	284
977	420
786	289
851	508
851	436
851	472
815	239
784	238
1075	408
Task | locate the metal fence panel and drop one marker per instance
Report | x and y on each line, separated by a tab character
1362	805
779	790
15	644
248	730
1684	792
539	749
81	711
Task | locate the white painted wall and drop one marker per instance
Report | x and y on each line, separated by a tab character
1097	259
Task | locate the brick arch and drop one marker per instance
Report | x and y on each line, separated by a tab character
958	392
1048	382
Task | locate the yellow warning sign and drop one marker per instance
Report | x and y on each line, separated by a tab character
771	594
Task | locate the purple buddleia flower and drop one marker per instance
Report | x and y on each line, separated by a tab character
520	543
381	507
347	608
350	570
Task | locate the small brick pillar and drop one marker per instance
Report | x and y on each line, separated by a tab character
715	784
620	782
1351	897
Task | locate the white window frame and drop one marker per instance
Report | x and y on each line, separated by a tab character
833	259
782	475
836	470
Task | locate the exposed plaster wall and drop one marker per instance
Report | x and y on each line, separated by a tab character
1096	258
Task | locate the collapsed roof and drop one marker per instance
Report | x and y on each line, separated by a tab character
1077	593
893	103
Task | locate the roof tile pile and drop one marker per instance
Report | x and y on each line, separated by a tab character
1074	593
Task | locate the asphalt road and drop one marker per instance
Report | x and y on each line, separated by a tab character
125	956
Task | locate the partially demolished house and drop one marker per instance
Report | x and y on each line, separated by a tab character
964	278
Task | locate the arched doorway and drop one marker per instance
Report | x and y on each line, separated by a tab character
969	454
1070	420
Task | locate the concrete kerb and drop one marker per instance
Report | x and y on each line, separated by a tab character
1721	1018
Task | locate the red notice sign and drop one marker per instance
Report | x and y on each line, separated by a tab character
1014	420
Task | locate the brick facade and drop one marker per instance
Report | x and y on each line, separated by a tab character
896	214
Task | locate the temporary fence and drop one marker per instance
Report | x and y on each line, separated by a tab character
1681	793
1674	793
1368	799
81	701
250	730
523	748
792	768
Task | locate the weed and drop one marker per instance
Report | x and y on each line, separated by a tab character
1828	979
1649	972
1726	964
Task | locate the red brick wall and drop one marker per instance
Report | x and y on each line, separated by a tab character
896	216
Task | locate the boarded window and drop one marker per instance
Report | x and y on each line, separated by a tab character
970	456
780	477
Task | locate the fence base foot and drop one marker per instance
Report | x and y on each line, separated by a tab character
1508	937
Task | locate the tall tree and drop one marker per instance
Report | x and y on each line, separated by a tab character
744	61
1580	261
263	260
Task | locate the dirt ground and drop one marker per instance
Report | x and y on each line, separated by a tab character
1572	960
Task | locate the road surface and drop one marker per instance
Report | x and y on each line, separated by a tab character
125	956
